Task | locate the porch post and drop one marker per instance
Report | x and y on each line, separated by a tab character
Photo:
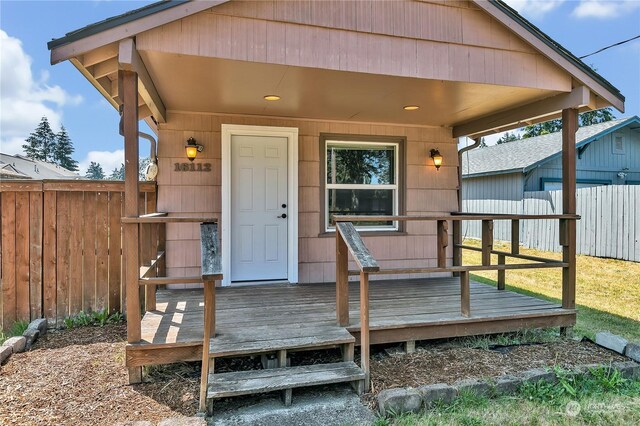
569	128
128	88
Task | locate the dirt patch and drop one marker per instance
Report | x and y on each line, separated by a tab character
77	377
437	364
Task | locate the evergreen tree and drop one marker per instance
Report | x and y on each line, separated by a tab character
508	137
587	118
95	171
144	162
40	144
63	150
117	173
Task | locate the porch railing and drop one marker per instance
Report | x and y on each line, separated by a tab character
349	241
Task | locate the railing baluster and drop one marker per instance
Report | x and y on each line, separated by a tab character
501	272
515	236
443	242
487	241
465	296
342	281
364	328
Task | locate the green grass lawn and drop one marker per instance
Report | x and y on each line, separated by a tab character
607	290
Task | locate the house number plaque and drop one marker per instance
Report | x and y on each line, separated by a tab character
193	167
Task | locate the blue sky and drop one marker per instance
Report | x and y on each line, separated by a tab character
31	87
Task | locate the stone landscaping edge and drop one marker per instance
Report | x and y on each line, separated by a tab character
17	344
411	400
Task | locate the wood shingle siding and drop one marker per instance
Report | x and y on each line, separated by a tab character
427	190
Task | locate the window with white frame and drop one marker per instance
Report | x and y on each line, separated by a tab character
361	179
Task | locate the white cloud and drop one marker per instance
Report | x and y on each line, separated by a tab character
24	100
604	9
534	8
109	160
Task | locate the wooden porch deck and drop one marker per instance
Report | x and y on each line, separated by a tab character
400	310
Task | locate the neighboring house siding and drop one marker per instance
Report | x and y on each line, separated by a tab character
597	163
492	194
427	191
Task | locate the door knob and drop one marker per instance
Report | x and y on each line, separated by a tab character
284	206
283	216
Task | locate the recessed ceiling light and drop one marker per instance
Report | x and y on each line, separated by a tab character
272	98
411	107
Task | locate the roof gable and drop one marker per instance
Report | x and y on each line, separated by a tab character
522	155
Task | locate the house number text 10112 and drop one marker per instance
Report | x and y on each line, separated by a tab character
193	167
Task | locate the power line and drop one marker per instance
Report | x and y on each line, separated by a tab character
610	46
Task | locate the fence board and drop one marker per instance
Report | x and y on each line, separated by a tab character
115	250
22	257
8	259
89	253
610	224
49	256
62	276
76	201
102	250
35	254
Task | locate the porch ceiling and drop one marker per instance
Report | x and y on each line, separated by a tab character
200	84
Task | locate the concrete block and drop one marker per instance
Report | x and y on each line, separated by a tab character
39	324
441	392
536	375
628	369
31	335
611	341
585	369
17	343
633	351
5	352
183	421
474	386
398	401
507	385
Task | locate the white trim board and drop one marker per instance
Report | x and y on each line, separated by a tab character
291	133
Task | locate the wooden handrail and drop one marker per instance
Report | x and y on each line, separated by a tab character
452	216
463	268
210	253
509	254
167	219
365	260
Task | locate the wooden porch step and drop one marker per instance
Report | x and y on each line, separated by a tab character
259	340
275	379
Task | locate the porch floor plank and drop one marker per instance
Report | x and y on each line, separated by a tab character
394	304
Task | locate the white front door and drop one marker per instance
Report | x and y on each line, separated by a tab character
258	208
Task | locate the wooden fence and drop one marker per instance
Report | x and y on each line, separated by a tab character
61	247
609	225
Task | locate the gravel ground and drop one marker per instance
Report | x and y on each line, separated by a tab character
77	377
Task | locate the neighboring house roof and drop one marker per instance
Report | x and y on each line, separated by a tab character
34	169
188	8
7	171
524	154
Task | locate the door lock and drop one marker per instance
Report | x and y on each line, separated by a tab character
282	216
284	206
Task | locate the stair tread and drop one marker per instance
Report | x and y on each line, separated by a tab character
269	339
274	379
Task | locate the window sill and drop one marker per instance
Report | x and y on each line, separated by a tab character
368	234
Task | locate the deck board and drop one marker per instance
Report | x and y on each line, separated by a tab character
178	318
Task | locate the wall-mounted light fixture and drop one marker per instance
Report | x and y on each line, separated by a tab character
192	148
437	158
411	107
271	98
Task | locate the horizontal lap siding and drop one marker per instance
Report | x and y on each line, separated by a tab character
199	193
409	39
